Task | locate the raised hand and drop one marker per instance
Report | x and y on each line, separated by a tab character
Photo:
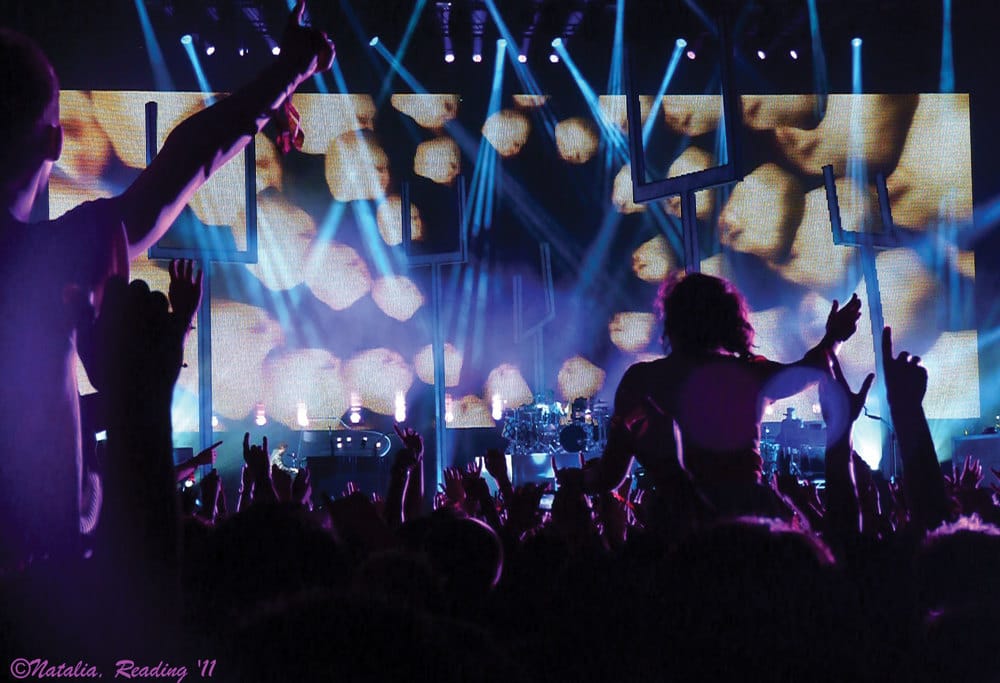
905	378
411	439
207	456
906	384
969	478
184	291
356	522
453	487
842	323
496	464
472	477
259	468
841	406
255	456
305	49
138	342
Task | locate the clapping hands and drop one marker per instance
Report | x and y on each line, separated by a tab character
842	323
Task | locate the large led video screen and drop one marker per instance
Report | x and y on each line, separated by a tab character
330	316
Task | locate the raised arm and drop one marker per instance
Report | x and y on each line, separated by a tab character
841	324
923	482
203	143
841	407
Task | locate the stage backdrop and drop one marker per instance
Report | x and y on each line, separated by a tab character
330	318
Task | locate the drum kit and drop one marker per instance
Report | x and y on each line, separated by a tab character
793	447
551	427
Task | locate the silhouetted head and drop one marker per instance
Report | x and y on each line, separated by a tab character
956	566
702	313
29	116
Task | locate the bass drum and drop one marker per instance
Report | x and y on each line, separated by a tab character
574	438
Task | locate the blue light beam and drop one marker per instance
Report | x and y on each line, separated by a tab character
199	73
668	75
614	136
160	74
820	77
947	57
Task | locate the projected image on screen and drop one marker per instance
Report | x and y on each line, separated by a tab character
330	320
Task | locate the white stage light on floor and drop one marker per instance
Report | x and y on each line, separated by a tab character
400	413
497	407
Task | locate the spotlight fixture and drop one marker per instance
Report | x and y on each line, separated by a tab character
373	42
276	50
761	55
449	51
477	18
556	42
355	414
681	43
400	405
209	50
691	54
554	58
186	39
242	52
443	10
794	54
573	19
534	16
856	42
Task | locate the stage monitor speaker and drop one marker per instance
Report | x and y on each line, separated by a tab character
983	447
